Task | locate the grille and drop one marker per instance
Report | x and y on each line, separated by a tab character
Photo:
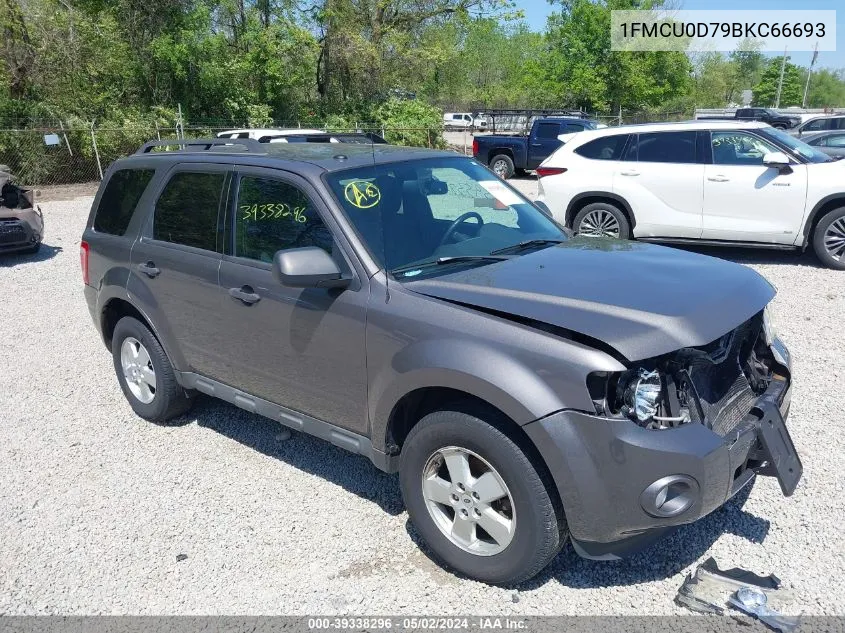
719	385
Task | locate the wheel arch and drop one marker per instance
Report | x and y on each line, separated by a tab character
497	151
581	200
117	307
821	209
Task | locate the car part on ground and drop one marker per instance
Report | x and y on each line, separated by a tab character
711	590
21	220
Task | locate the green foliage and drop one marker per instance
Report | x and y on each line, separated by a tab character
411	122
827	88
792	91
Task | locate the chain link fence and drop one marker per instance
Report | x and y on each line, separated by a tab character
54	155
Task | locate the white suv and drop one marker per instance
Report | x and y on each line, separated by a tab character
739	184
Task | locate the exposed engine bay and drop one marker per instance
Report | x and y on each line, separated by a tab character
715	384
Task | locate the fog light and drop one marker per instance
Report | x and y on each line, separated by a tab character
670	496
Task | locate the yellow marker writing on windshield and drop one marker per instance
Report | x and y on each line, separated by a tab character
362	194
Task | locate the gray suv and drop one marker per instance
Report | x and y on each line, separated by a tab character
407	305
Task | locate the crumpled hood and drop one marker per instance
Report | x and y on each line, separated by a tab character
641	299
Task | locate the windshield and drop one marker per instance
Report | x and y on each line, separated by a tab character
422	211
799	147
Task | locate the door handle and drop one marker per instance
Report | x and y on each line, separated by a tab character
149	269
245	294
717	179
629	173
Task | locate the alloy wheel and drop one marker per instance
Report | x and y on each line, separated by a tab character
468	501
138	370
599	223
834	239
500	168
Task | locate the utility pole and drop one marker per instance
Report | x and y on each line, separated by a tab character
810	72
780	81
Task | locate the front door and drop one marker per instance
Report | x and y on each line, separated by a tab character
302	348
543	143
746	201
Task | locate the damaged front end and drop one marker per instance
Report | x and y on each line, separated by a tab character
21	220
715	385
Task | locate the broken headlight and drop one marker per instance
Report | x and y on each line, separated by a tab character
641	395
650	398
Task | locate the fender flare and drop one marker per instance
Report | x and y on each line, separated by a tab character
570	209
811	217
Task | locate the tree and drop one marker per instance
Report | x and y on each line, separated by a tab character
827	88
584	72
792	92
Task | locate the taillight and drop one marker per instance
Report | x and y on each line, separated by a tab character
83	260
549	171
474	146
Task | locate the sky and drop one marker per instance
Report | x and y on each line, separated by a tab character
536	12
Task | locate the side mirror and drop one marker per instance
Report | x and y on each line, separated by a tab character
308	267
778	160
435	187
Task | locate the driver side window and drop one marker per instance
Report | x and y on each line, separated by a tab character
739	148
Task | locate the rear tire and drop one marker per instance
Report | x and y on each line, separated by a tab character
527	527
829	239
145	373
502	166
602	219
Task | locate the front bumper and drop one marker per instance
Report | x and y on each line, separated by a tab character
604	468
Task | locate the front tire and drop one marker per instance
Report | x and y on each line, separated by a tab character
502	166
602	219
829	239
145	373
477	499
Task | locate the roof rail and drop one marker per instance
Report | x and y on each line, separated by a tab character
204	145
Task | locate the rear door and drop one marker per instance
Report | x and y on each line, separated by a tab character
174	265
661	176
746	201
543	142
302	348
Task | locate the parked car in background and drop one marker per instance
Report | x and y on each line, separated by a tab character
820	124
765	115
325	137
741	184
257	133
464	121
21	220
507	155
831	142
406	305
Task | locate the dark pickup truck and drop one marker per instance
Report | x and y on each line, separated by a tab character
766	115
510	154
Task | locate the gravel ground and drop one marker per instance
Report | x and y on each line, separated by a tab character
97	506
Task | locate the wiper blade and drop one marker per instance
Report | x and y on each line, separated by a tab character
526	244
455	259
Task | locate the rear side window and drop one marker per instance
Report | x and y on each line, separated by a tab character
605	148
186	211
664	147
119	199
548	130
